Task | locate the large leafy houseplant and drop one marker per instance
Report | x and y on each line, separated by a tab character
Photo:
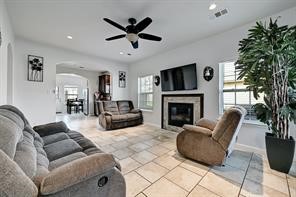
267	63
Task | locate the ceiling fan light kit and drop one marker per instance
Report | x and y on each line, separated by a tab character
133	31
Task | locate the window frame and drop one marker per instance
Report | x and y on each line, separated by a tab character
145	93
70	86
234	90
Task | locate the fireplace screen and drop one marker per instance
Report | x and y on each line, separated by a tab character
180	114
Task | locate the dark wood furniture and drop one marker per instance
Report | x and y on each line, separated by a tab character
75	104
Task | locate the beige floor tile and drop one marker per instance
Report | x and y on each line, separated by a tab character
123	153
139	147
164	188
184	178
119	138
167	161
141	195
107	148
195	167
162	138
135	184
219	185
121	144
169	145
229	172
151	171
143	157
158	150
251	188
152	142
268	180
129	164
200	191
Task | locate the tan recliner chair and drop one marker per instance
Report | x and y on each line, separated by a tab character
210	141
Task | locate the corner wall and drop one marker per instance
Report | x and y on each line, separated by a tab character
207	52
37	99
7	38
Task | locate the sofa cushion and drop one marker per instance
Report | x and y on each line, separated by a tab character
133	116
61	149
26	155
10	134
111	106
119	118
51	128
13	181
123	106
13	117
55	138
61	161
92	150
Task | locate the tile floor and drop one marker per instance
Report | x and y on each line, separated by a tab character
153	168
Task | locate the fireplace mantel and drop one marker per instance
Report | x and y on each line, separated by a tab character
196	99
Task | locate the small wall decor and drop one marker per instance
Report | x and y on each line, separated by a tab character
0	37
208	73
122	79
35	68
156	80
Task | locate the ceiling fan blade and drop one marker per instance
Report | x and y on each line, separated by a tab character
115	24
135	44
149	37
143	24
115	37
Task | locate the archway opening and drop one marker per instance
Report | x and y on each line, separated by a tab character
9	74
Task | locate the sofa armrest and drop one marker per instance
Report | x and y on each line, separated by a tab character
76	172
107	113
51	128
135	111
206	123
197	129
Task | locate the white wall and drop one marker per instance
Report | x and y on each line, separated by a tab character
7	38
37	99
92	78
207	52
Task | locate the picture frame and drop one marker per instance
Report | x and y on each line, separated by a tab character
35	68
122	79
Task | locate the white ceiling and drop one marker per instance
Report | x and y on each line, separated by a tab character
178	22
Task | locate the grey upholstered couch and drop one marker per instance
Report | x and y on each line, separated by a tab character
51	160
118	114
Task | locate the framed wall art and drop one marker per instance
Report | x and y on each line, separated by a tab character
35	68
122	79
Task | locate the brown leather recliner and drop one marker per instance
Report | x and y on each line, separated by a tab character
118	114
211	141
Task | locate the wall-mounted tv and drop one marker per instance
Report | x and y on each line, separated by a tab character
179	78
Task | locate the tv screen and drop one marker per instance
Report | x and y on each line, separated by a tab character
179	78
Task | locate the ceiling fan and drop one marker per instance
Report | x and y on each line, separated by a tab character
133	31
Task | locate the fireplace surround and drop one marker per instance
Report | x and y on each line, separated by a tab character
180	109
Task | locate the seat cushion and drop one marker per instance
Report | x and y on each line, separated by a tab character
61	149
133	116
55	138
51	128
61	161
119	118
123	106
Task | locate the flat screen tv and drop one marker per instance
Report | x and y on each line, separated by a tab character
179	78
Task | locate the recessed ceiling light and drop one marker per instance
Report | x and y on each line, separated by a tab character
212	6
121	53
81	67
70	37
129	54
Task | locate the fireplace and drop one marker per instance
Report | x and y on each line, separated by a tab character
180	109
180	114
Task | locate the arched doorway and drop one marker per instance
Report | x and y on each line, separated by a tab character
71	87
9	74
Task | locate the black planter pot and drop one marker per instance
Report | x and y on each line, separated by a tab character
280	152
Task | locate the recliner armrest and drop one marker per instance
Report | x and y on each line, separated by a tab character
107	113
197	129
76	171
206	123
51	128
135	111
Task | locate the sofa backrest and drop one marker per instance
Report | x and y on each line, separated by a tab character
108	106
227	126
124	106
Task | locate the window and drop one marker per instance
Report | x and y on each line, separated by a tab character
234	92
145	92
71	92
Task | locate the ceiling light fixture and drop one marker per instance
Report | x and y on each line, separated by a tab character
212	6
70	37
121	53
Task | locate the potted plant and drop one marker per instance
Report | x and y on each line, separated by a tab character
267	63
